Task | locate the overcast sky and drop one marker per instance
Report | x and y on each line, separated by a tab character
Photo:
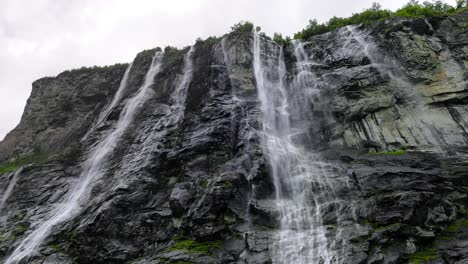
45	37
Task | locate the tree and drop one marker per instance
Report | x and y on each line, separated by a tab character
243	26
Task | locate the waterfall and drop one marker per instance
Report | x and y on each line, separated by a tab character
173	114
115	100
302	188
386	66
92	170
179	96
9	188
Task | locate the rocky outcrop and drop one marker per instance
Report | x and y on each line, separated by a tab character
388	119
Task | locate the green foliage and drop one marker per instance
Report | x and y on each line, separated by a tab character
413	9
392	152
423	255
462	5
278	38
370	15
210	41
455	227
14	164
243	26
55	247
95	68
7	236
169	50
193	246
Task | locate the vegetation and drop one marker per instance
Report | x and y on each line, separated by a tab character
413	9
14	164
423	255
279	39
392	152
208	42
7	237
193	246
455	227
95	68
243	26
169	50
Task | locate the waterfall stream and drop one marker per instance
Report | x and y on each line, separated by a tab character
118	95
6	194
92	170
300	182
357	41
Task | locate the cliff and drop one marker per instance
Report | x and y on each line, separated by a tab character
350	147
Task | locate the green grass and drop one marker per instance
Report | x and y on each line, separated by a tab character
391	152
424	255
193	246
14	164
455	227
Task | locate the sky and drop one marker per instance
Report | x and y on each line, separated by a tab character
45	37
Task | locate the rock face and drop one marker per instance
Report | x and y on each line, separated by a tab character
189	180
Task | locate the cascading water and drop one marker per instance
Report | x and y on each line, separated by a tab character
6	194
92	170
387	67
301	186
115	101
172	115
179	96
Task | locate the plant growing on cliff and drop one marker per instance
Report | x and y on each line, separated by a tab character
278	38
16	163
423	256
210	41
375	13
242	27
193	246
372	14
391	152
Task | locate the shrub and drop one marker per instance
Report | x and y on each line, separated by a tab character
210	41
243	26
412	9
170	50
278	38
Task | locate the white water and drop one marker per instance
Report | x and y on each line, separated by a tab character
92	171
169	116
301	185
115	100
179	96
175	113
6	194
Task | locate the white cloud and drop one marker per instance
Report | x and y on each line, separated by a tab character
45	37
